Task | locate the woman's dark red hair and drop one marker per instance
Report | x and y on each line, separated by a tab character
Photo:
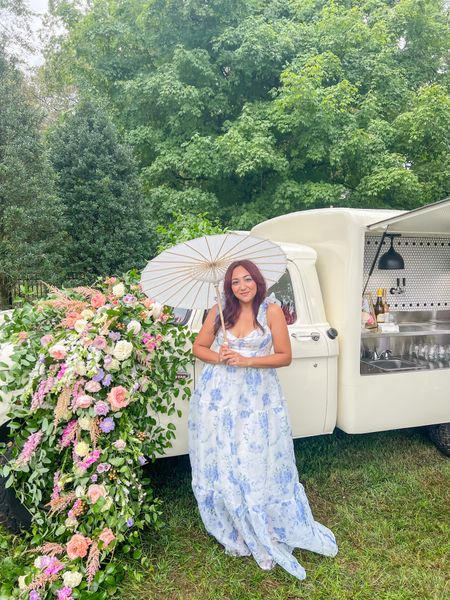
232	307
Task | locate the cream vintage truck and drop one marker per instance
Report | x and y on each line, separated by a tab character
343	374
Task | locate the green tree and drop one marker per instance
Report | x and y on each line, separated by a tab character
98	185
274	106
32	235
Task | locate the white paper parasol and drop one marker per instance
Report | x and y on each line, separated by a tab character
190	275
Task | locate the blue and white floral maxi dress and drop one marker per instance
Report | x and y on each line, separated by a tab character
244	475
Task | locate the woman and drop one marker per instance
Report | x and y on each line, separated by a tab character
244	475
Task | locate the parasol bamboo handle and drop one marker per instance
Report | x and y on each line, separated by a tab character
219	302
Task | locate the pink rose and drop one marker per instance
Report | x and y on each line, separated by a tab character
95	492
84	401
71	319
92	386
119	445
148	302
46	339
77	546
58	351
107	536
99	342
98	300
117	398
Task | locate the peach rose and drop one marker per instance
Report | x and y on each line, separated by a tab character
70	319
84	401
57	351
98	300
92	386
96	491
107	536
148	302
77	546
23	335
117	397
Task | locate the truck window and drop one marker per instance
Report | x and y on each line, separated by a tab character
284	292
181	315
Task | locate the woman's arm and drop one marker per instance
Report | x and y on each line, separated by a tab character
282	356
202	346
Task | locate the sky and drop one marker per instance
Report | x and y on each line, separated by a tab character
37	6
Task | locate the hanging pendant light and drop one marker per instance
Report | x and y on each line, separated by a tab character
391	260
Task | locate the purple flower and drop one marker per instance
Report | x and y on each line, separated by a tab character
99	375
101	408
107	425
114	335
65	593
54	567
94	477
107	360
135	387
129	299
142	460
103	467
107	380
34	595
130	522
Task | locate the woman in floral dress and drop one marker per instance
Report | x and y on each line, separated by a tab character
244	475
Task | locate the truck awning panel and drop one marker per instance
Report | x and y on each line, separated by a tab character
432	218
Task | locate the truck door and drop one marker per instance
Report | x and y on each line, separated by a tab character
309	383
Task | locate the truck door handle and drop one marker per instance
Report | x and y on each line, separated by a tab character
314	335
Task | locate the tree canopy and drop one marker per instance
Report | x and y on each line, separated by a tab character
32	225
249	109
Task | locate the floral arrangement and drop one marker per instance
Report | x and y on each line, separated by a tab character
96	366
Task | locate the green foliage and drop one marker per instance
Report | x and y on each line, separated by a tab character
98	185
32	238
187	227
269	107
93	373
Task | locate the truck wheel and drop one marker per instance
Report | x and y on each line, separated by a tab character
440	436
13	514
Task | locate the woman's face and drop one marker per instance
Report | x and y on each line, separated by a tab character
242	284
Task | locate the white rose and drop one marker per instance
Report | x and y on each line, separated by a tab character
80	368
85	423
118	290
123	350
79	491
107	504
87	314
70	523
114	365
134	326
80	325
72	578
156	309
21	582
37	562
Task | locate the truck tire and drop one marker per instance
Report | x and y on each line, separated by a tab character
440	436
13	514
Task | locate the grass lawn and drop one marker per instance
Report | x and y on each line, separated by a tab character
384	495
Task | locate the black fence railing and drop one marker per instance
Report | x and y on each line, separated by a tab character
14	292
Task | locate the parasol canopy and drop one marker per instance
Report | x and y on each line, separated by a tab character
189	275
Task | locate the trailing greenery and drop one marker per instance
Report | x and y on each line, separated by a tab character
251	109
90	368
